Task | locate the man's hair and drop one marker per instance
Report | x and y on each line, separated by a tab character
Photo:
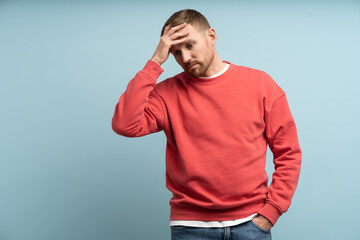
189	16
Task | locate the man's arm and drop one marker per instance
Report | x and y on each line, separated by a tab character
140	109
281	134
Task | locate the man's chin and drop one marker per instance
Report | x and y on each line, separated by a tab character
194	74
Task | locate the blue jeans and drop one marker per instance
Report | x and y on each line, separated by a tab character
244	231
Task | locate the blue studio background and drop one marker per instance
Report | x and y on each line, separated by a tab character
64	174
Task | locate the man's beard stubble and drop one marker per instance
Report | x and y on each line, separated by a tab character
203	67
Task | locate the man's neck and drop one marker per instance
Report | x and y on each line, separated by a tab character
216	66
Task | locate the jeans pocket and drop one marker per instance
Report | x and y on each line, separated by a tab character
260	228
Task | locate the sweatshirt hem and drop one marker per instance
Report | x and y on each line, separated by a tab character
202	214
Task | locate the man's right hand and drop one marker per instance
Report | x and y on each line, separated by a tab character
171	36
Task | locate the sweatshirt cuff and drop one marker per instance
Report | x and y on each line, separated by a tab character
271	212
152	69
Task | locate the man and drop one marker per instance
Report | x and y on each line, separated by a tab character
218	118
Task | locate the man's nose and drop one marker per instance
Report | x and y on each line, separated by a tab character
186	56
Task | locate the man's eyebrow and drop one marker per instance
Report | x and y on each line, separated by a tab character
188	41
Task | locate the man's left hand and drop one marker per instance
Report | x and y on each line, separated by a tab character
262	222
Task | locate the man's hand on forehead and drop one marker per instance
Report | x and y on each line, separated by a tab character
184	30
171	37
178	32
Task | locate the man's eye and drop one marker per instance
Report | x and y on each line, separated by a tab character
189	45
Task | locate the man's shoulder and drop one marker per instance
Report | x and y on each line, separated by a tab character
247	69
171	83
256	76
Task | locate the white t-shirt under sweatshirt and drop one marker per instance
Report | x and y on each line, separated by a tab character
228	223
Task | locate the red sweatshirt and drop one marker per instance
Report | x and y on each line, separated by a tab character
217	134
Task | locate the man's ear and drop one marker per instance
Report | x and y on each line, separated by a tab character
211	35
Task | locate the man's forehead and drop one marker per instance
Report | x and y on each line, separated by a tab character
194	29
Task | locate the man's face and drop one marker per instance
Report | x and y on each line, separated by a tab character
196	53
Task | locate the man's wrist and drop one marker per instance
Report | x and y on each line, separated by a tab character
263	222
265	218
271	212
156	61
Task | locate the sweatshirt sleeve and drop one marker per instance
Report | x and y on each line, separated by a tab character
140	110
281	134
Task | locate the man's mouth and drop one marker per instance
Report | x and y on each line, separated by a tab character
191	66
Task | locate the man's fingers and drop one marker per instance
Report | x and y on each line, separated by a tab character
167	28
176	28
178	41
179	34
